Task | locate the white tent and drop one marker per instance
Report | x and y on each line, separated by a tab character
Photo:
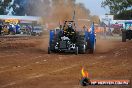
21	18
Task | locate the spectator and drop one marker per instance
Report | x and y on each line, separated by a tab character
17	29
5	29
28	29
11	29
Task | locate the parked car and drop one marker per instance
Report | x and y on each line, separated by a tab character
37	31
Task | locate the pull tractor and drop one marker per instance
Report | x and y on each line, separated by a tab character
68	39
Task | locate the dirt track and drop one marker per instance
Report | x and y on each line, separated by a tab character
26	64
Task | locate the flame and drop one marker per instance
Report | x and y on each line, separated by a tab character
84	73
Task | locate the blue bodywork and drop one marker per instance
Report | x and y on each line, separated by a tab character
92	36
51	36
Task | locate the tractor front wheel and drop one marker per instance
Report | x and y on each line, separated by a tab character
76	50
81	43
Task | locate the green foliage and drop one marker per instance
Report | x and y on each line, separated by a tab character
125	15
1	10
117	6
3	6
6	2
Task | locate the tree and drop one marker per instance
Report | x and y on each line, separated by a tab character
125	15
25	7
3	6
2	9
19	7
119	8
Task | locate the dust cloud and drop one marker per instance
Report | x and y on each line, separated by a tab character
104	45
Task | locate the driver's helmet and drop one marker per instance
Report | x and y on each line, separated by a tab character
70	24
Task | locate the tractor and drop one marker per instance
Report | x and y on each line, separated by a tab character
127	32
68	39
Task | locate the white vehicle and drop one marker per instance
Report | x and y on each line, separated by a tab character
37	31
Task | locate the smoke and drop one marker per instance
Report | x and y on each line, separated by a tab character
61	14
57	11
65	10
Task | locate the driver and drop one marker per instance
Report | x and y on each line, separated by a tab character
70	29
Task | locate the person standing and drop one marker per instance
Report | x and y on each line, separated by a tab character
17	27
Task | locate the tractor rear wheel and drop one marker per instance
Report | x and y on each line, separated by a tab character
92	46
92	50
76	50
81	43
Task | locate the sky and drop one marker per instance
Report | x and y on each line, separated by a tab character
94	6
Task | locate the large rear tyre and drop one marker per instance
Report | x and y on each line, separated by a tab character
92	50
123	36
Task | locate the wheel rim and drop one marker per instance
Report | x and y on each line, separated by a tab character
84	48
